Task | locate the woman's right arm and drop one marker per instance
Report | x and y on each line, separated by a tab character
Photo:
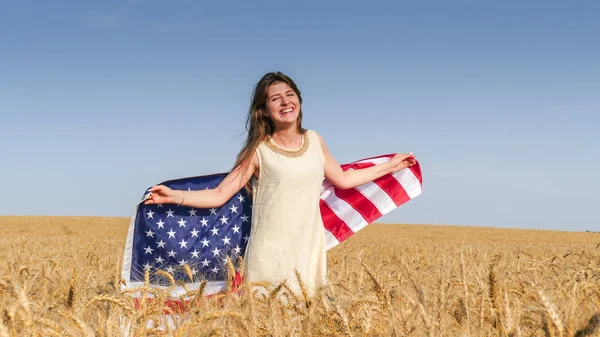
210	198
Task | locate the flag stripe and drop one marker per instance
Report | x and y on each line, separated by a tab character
330	240
390	184
410	183
416	170
359	202
350	216
378	196
212	287
393	188
333	224
375	160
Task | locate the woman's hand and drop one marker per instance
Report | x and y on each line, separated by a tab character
161	194
401	161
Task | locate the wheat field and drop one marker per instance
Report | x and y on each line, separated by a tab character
60	276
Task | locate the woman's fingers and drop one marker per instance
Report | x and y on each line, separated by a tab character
158	194
157	188
407	156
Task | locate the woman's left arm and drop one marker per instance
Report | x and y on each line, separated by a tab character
352	178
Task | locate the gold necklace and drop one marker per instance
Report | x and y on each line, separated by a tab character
292	153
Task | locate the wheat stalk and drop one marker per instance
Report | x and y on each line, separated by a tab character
551	311
307	300
465	293
72	294
110	299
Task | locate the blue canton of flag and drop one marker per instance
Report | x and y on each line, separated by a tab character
167	237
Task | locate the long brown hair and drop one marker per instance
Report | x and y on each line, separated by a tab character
258	126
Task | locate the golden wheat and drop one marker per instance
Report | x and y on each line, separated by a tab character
387	280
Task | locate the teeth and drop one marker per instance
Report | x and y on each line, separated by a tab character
286	111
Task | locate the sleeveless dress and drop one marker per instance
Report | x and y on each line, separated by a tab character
287	231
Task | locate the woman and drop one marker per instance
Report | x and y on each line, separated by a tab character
284	166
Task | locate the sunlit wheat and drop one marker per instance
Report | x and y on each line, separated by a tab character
60	276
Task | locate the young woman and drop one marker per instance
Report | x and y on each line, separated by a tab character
284	166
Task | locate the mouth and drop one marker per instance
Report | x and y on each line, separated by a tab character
286	111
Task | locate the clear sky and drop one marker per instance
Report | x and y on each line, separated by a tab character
499	100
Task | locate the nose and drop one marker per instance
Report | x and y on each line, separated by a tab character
285	100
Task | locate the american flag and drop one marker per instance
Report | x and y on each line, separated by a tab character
185	241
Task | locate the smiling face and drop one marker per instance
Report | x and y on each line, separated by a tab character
282	105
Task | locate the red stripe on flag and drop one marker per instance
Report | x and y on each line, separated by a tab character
416	170
393	188
336	226
359	202
366	160
387	183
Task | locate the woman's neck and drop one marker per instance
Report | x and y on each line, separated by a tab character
288	137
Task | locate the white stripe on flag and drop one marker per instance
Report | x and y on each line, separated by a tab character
375	161
346	212
212	288
409	182
377	196
330	240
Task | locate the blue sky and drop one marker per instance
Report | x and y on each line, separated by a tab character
499	100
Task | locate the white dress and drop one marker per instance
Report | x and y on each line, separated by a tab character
287	230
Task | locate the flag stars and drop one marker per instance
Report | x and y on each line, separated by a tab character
171	233
205	242
179	241
233	208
